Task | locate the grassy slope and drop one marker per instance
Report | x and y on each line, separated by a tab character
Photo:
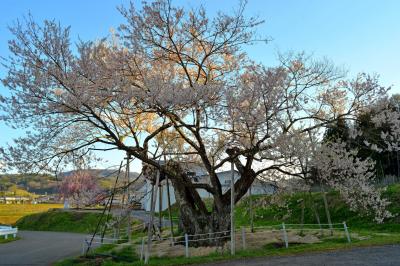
273	214
59	220
10	213
268	213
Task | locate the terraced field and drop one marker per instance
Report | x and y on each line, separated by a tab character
10	213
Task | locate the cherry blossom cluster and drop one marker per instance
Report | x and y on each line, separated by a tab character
342	170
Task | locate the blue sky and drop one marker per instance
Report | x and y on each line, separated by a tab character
360	35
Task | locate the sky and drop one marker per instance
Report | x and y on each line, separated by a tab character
358	35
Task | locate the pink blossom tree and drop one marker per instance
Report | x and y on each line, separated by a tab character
81	189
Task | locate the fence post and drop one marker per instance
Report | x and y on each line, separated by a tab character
244	238
346	230
285	238
142	250
186	246
5	236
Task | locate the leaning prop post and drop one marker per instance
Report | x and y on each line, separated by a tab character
110	206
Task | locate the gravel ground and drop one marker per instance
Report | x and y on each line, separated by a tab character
40	248
382	255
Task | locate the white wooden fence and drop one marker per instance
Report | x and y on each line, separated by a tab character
8	230
246	238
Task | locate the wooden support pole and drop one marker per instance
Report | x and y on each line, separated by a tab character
151	220
243	238
128	226
159	207
302	216
232	208
110	205
314	209
171	225
327	212
251	210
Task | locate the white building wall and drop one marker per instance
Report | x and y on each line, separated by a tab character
146	201
224	177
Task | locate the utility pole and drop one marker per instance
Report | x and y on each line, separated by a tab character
232	208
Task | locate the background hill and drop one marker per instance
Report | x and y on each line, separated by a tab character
38	184
101	173
44	183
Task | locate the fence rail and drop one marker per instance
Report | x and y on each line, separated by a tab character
8	230
246	238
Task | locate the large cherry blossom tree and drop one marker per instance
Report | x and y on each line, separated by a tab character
176	74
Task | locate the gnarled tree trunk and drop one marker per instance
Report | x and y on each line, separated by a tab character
195	218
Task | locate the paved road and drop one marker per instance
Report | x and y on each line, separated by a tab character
376	256
40	248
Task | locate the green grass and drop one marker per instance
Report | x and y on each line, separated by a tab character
9	239
61	221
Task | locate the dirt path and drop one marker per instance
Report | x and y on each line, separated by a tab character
40	248
377	256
